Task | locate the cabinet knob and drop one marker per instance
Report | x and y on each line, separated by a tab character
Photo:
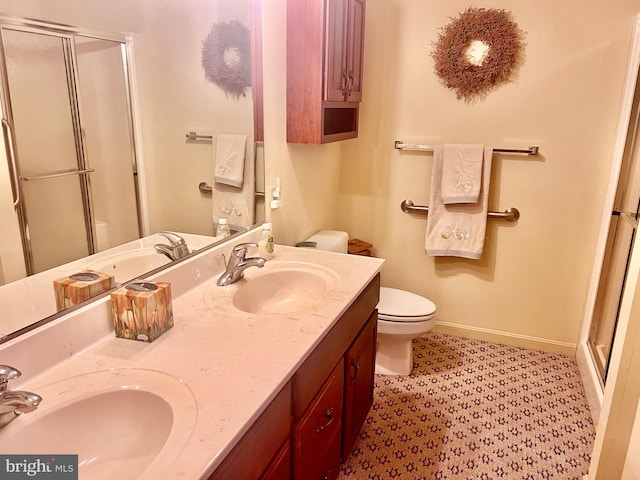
330	417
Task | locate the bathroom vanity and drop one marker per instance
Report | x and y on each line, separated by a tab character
315	418
244	385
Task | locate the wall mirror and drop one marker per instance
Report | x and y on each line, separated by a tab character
110	129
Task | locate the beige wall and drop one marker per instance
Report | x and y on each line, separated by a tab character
532	280
309	174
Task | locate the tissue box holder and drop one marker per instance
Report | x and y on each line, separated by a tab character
142	311
80	286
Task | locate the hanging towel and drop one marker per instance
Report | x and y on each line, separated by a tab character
229	159
233	203
458	229
461	173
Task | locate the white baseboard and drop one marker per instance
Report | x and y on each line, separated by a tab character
506	338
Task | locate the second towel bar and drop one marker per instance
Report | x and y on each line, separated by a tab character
510	214
400	145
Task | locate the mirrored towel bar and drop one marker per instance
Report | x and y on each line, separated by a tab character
205	188
510	214
56	175
400	145
197	136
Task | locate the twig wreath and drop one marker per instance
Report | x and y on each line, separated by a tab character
226	57
477	51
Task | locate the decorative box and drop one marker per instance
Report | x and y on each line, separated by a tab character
80	286
360	247
142	311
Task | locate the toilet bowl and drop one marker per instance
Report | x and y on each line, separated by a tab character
402	315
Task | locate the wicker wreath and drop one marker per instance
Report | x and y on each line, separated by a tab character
226	58
477	51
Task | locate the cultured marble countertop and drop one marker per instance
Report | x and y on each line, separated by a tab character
32	298
231	363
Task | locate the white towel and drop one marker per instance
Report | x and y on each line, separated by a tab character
236	205
461	173
229	159
458	229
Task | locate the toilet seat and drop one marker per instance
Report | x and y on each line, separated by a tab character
404	329
404	307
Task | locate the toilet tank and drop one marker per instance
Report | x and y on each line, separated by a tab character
331	241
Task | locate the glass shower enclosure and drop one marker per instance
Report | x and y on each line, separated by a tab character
68	134
620	240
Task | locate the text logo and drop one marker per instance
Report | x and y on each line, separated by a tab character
49	467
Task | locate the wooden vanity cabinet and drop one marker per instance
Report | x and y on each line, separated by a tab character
280	466
347	352
359	382
311	425
263	452
325	47
317	434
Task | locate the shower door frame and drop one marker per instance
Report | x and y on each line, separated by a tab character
67	34
590	376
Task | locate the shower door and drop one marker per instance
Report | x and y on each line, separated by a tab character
620	240
67	127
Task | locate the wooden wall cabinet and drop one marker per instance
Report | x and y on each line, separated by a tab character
311	425
325	47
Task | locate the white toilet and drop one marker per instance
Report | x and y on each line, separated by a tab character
402	315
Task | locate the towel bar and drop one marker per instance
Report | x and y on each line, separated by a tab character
205	188
196	136
400	145
510	214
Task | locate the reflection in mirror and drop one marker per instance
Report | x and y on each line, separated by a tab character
111	120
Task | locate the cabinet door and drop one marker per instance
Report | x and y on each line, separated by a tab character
335	54
355	50
359	382
314	433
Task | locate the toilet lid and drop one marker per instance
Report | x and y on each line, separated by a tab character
400	303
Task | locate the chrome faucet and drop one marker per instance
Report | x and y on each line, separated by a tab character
238	263
14	402
177	249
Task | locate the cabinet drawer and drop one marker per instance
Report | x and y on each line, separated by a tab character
317	427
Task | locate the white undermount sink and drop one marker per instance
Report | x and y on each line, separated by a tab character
129	265
121	423
284	287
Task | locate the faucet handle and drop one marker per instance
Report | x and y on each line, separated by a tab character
241	249
174	239
7	373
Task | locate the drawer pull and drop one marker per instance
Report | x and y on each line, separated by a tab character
330	416
356	367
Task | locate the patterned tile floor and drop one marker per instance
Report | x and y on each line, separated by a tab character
476	410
